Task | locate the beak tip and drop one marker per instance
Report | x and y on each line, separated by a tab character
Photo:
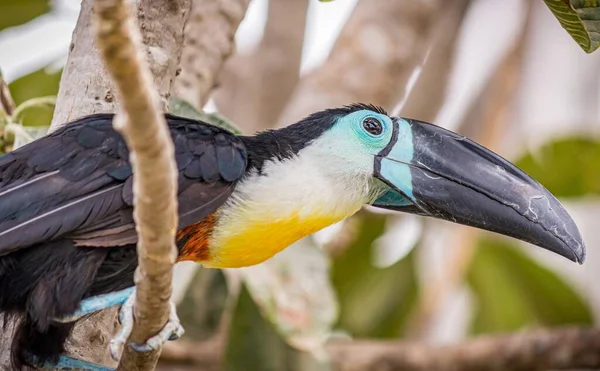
580	254
573	241
574	251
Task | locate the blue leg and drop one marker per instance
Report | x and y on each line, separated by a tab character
68	363
125	298
97	303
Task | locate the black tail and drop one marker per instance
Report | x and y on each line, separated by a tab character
45	346
48	281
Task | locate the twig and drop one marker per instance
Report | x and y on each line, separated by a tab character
38	102
154	187
7	104
556	349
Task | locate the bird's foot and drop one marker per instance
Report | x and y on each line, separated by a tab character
171	331
98	303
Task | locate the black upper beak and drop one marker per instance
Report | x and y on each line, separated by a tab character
435	172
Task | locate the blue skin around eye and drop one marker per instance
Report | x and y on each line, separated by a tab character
375	142
396	173
350	126
393	166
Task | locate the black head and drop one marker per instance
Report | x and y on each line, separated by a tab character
286	142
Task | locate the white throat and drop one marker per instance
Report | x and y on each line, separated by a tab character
310	184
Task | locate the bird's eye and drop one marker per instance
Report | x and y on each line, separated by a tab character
372	126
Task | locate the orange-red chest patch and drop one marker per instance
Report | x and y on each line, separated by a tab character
192	240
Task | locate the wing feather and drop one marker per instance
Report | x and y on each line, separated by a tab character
77	182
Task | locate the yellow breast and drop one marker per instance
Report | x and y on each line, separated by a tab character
251	243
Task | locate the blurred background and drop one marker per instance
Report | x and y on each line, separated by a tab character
504	73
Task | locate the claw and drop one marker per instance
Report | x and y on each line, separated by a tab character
126	319
171	331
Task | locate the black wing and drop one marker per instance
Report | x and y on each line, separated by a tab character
77	182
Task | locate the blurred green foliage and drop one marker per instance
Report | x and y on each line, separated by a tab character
203	304
254	345
374	302
17	12
37	84
512	291
580	19
567	167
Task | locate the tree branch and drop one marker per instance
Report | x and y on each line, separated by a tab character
209	40
143	126
373	59
256	86
429	93
557	349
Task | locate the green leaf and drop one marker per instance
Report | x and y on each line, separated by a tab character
203	304
16	12
567	167
294	292
40	83
255	346
374	302
513	291
581	19
182	108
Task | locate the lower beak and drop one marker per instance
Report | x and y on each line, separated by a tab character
435	172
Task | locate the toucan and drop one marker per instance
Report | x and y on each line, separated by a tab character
68	238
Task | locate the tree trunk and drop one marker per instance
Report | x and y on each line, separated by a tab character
86	88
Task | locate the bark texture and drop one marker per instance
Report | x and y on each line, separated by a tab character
371	62
152	157
209	40
86	88
552	349
256	87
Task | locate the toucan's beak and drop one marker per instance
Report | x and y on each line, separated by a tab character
435	172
